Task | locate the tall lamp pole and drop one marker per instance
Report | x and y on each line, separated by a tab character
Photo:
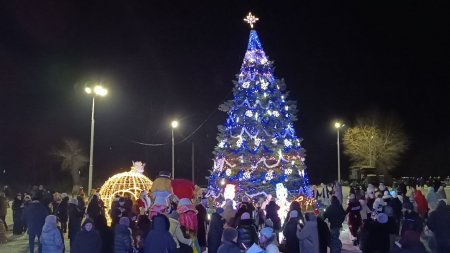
338	126
174	125
98	90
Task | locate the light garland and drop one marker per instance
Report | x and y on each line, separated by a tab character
132	182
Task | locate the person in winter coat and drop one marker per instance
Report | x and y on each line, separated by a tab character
377	239
324	235
295	205
247	231
183	242
106	234
409	243
34	215
365	210
309	235
51	237
354	217
94	209
336	216
422	205
267	240
411	220
290	232
229	242
441	193
432	198
4	204
159	240
75	217
141	231
62	213
17	208
439	223
88	240
202	218
216	230
229	211
123	242
272	213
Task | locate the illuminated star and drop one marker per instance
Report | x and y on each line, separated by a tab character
251	19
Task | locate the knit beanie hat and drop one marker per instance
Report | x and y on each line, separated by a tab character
266	232
124	221
269	223
229	234
86	221
245	216
219	211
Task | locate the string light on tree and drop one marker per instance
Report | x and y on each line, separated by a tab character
260	123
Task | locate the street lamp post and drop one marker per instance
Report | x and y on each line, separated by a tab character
338	126
98	90
174	125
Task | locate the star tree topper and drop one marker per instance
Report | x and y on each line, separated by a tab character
251	19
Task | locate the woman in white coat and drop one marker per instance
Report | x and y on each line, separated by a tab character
309	235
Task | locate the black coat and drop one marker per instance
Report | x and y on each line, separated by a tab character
229	247
215	232
202	218
290	233
272	213
75	217
61	210
377	237
335	214
247	233
17	208
324	235
87	242
122	239
35	214
159	240
439	223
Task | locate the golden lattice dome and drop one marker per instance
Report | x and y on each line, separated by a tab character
133	182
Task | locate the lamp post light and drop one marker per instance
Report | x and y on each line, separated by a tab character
338	126
174	125
97	90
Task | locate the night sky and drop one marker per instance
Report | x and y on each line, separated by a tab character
178	60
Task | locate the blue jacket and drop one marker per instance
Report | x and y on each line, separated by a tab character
51	240
34	215
159	240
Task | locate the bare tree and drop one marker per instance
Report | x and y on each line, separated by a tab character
375	142
72	159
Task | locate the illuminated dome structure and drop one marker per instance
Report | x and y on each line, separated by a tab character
133	182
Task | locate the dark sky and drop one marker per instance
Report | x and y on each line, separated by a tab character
177	60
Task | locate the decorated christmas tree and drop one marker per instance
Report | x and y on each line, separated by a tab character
258	150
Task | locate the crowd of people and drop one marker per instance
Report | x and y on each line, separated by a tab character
380	220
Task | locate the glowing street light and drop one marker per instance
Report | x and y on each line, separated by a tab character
338	126
174	125
97	90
